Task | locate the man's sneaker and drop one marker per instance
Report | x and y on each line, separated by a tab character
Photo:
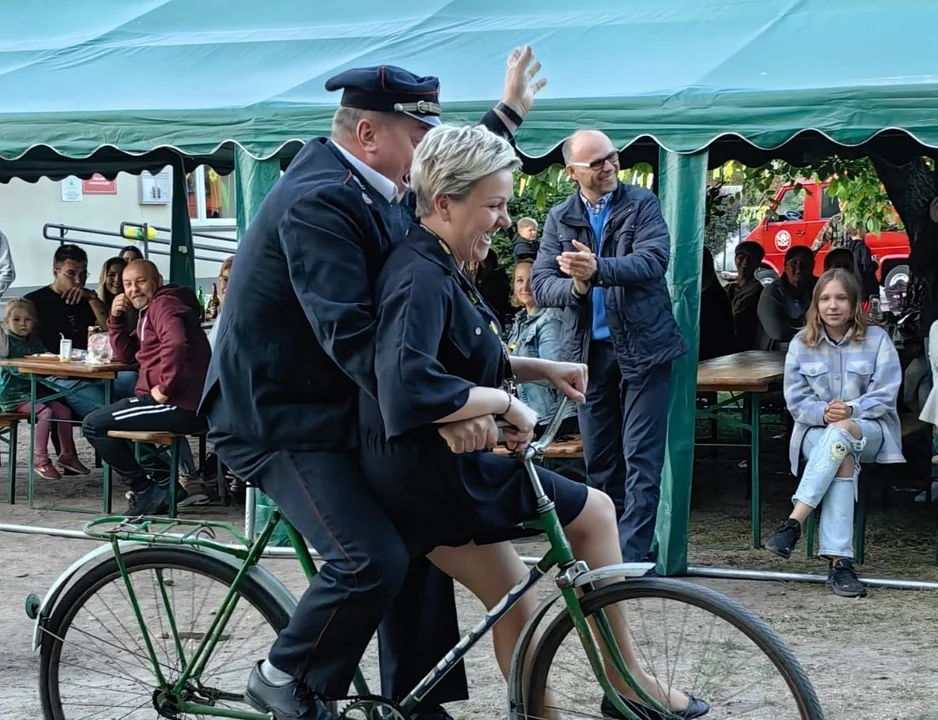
293	701
695	708
842	579
786	536
153	500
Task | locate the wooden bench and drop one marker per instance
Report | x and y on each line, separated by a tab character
9	422
566	455
167	447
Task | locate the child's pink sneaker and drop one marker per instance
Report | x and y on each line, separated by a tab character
71	462
45	469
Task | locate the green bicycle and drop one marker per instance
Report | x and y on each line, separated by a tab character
166	621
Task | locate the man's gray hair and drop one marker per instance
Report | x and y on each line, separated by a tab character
346	119
451	159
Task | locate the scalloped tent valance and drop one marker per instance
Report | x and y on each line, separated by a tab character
113	78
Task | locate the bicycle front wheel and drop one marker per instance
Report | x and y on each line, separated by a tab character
684	636
94	661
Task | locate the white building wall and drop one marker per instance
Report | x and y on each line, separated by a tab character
26	207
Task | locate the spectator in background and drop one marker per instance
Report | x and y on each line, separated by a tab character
865	266
840	258
172	351
18	339
222	283
716	317
109	282
492	282
784	304
536	333
603	257
66	307
129	253
7	271
842	379
526	243
744	294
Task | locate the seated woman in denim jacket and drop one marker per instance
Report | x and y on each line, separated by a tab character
842	380
536	334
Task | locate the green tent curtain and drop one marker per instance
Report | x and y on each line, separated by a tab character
682	184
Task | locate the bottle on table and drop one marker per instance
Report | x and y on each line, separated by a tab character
213	304
201	296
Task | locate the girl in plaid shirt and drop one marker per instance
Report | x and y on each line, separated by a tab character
842	378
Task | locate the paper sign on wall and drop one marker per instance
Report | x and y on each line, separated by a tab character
97	184
71	189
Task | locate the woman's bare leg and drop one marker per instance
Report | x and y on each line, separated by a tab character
489	572
594	537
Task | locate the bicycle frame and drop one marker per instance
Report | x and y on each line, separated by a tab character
560	556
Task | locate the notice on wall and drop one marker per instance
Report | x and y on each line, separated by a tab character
156	189
71	189
97	184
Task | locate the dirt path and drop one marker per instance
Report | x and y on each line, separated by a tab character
873	659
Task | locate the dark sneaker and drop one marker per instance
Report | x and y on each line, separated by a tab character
152	500
842	579
786	536
293	701
695	708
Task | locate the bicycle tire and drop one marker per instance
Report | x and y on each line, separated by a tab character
696	595
150	558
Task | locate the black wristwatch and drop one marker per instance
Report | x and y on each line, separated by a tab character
510	114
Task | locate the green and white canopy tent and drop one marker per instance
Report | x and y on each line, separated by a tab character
128	85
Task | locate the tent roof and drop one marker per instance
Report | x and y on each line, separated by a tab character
737	75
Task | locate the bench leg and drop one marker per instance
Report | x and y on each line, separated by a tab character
859	523
754	421
11	478
173	474
810	529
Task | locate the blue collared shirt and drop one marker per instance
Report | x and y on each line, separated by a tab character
598	215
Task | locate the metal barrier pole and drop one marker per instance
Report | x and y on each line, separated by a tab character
692	571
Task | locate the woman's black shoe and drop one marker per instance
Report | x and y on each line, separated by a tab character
695	708
843	580
786	536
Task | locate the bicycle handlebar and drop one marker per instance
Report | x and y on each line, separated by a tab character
548	437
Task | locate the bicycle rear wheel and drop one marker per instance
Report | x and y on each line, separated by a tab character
742	668
93	658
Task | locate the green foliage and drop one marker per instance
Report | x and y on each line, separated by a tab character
854	183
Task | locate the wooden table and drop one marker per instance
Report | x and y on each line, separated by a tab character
38	366
749	374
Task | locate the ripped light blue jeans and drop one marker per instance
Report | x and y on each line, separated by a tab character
825	449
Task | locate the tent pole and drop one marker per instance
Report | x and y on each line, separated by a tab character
253	180
682	191
181	252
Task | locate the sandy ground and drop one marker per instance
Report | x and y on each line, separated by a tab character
872	659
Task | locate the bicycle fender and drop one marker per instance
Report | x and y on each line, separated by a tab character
611	572
516	674
261	575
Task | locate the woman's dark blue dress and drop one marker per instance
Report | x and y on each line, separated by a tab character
436	339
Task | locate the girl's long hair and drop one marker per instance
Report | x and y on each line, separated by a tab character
858	321
104	294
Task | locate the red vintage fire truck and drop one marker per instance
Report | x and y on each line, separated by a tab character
798	219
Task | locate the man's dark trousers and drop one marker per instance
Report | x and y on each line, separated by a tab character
624	426
365	567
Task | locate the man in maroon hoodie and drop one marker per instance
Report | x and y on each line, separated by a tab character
173	353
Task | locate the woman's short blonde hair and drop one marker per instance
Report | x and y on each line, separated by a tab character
451	159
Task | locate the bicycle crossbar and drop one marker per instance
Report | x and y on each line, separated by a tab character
692	570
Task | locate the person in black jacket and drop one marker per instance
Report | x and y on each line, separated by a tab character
784	303
281	395
716	317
